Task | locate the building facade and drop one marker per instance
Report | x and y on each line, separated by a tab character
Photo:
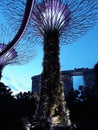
67	78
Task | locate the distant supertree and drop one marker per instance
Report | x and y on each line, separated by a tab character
9	50
20	30
56	22
20	53
7	58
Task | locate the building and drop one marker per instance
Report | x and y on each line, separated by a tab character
67	78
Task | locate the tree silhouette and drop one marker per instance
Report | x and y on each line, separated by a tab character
26	103
6	105
54	22
15	109
82	104
96	78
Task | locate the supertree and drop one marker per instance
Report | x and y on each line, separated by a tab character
20	54
8	46
23	24
57	22
7	58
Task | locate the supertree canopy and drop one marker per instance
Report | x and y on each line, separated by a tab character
55	22
7	58
54	16
72	18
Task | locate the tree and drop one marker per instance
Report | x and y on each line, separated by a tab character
26	103
96	78
16	109
83	107
7	101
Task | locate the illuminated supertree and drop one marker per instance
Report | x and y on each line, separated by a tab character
7	58
20	30
56	22
9	40
59	21
20	54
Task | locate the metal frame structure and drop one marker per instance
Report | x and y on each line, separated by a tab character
25	21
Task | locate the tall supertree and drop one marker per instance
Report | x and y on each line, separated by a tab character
56	22
59	21
20	54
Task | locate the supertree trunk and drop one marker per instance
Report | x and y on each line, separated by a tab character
51	104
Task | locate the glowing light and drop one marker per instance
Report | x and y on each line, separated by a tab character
54	15
5	59
54	121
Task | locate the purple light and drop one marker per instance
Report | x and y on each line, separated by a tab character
77	18
5	59
51	15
